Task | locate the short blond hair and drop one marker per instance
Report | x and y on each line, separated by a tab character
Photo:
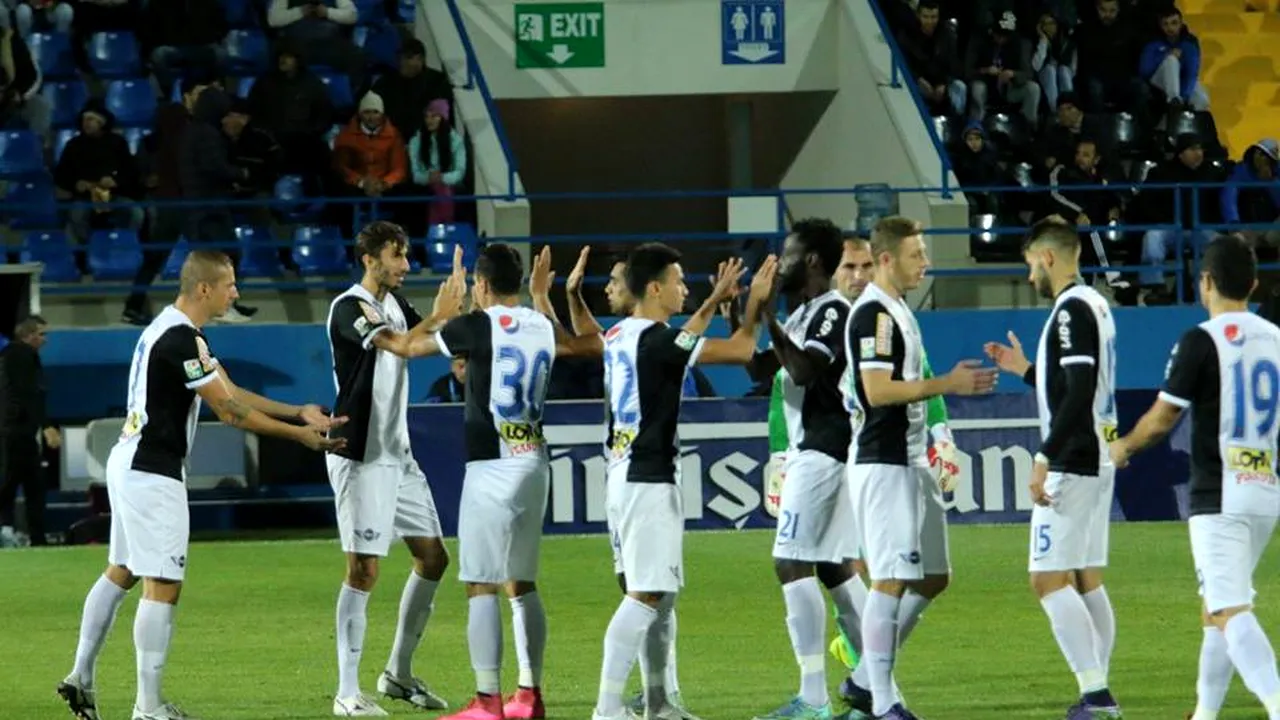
202	266
889	232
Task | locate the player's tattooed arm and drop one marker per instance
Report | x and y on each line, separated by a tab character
221	397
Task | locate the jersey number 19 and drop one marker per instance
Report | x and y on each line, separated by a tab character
1255	394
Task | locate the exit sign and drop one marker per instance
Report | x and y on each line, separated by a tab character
558	35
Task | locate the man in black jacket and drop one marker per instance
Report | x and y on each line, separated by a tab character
930	51
1107	61
292	104
1157	207
1078	194
407	92
998	66
96	166
208	175
22	427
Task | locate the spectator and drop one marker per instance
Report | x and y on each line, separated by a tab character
209	176
44	15
1254	204
1054	59
452	386
22	427
95	16
317	28
369	157
1157	207
930	51
1105	45
438	157
292	104
999	64
96	166
976	165
182	35
1074	190
1058	142
20	97
407	92
255	151
160	161
1172	63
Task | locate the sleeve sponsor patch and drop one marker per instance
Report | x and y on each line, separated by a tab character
361	325
1064	329
193	368
868	349
371	313
884	334
686	341
829	319
202	351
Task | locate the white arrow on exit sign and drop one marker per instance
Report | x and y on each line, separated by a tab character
560	54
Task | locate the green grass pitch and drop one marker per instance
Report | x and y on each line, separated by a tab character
254	637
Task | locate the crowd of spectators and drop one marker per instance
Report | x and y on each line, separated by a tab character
346	120
1073	96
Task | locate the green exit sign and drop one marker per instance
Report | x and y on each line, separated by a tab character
559	35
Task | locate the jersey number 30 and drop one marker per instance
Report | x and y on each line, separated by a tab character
523	384
1256	397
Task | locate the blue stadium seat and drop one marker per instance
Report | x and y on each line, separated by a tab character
21	153
243	85
60	142
259	257
135	136
240	13
247	51
114	254
65	99
133	102
52	54
381	44
53	248
114	55
440	242
339	89
320	251
290	188
31	204
178	255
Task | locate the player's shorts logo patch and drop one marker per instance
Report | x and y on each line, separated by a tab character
202	351
884	334
508	323
686	341
368	535
179	560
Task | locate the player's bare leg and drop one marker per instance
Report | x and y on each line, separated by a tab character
893	610
352	619
100	607
1078	639
1089	584
1216	670
430	559
152	631
1251	654
625	638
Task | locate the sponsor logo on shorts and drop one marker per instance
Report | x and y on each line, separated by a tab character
1110	433
368	535
1251	466
179	560
521	438
620	442
675	572
132	425
912	557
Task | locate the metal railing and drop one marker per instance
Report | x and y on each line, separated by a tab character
475	78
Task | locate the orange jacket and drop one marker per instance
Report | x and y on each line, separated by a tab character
357	154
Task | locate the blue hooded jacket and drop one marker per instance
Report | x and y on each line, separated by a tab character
1189	65
1245	173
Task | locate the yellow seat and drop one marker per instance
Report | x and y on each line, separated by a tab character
1252	126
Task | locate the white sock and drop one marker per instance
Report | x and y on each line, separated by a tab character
807	625
1073	628
655	652
1104	623
910	609
484	638
621	645
850	599
529	624
351	624
100	608
672	679
1215	675
880	643
415	611
1251	653
152	628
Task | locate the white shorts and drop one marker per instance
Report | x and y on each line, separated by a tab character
376	500
500	519
904	525
1074	532
646	528
1226	549
815	518
150	521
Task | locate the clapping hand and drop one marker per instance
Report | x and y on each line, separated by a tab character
573	283
1009	358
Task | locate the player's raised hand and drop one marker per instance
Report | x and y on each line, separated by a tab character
727	281
541	275
573	283
458	272
968	377
450	297
762	285
314	416
1009	358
